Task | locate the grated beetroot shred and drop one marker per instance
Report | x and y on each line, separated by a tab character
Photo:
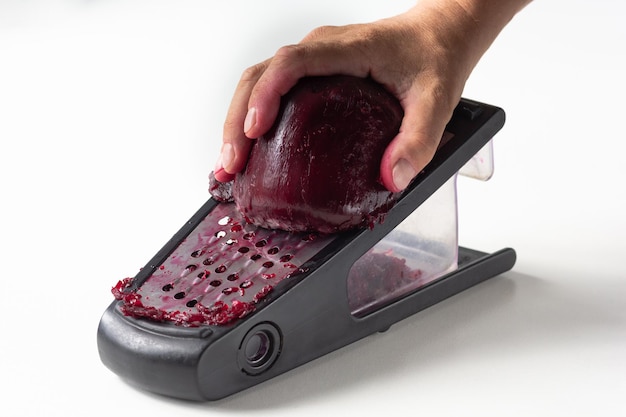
220	313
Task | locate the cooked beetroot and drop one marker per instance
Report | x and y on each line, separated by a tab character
317	169
221	191
376	276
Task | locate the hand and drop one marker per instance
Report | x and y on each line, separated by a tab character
423	56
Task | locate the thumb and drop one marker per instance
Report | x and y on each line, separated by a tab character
415	144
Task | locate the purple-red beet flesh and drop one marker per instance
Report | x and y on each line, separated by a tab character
318	167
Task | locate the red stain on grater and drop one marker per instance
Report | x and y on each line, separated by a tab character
219	272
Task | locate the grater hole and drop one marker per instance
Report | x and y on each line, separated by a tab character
220	269
286	258
179	295
197	253
233	277
229	290
268	264
167	287
204	274
215	283
191	303
273	251
261	243
188	269
243	249
255	257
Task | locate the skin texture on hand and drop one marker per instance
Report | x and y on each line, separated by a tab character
423	56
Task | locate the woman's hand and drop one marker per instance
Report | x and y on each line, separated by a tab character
423	57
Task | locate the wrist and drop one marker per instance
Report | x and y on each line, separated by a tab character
467	27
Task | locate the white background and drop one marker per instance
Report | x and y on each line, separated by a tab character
111	116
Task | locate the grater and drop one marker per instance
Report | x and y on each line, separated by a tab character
225	305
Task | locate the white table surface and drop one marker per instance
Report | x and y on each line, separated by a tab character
111	116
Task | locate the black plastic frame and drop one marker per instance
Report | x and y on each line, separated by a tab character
309	316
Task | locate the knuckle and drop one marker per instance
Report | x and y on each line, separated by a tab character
320	33
440	96
289	52
420	146
252	74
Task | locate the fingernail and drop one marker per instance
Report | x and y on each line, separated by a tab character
403	173
226	156
250	120
218	164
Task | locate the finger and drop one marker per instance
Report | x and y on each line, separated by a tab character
425	118
236	145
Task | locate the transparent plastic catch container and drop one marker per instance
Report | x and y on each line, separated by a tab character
421	249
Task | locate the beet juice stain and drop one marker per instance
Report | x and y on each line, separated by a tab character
207	280
338	188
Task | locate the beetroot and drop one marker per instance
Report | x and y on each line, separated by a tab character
376	277
221	191
317	168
